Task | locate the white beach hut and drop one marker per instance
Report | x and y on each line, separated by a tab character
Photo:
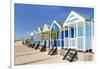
38	35
78	33
35	40
46	34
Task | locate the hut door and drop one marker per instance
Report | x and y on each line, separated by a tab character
54	37
72	40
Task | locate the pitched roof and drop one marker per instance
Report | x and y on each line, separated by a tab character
86	17
45	28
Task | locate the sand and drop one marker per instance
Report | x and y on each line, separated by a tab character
24	55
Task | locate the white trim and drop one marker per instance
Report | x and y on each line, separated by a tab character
70	40
58	47
64	37
73	13
50	38
60	37
77	36
72	23
92	30
66	45
68	37
72	18
84	35
55	22
81	49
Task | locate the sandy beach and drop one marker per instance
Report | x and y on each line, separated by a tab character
24	55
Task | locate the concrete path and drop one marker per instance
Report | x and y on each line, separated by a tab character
24	55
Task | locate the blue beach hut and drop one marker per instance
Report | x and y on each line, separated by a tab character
56	34
78	33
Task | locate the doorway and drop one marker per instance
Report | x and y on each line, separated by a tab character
54	37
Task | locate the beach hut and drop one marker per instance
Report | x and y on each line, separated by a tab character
34	37
56	35
38	35
45	35
78	34
31	35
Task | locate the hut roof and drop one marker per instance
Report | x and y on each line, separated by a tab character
86	17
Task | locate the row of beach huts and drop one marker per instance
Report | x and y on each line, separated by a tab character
73	39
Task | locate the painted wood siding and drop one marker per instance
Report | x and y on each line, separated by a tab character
88	35
55	28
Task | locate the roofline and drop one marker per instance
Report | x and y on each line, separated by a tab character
73	12
44	26
56	24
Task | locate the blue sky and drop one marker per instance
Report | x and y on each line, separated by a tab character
29	17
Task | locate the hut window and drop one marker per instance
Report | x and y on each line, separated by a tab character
72	32
66	33
62	35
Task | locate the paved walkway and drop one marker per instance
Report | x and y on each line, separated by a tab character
24	55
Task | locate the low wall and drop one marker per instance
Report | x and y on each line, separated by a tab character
85	56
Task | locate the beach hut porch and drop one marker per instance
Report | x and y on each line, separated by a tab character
78	34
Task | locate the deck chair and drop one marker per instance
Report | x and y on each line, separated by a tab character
89	50
43	48
54	51
51	50
26	42
29	44
72	57
33	45
66	54
23	42
37	46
